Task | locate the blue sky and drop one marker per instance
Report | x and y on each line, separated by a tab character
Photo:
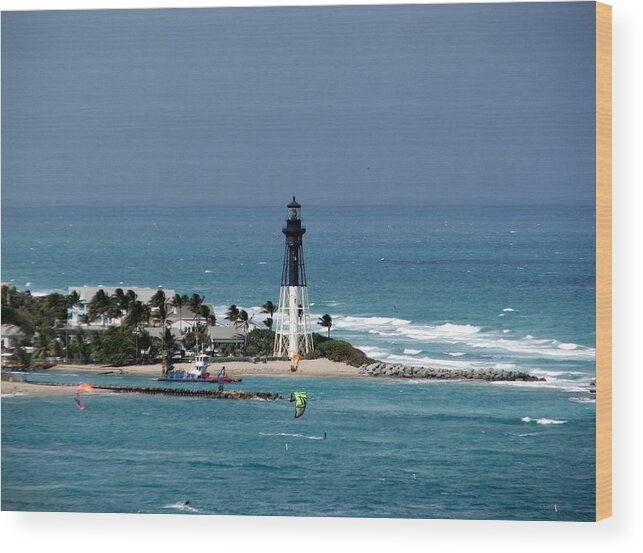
460	103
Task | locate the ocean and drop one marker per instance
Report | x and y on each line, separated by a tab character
509	286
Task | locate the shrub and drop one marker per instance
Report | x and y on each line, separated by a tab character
260	342
341	351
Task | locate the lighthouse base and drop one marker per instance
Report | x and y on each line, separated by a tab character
293	335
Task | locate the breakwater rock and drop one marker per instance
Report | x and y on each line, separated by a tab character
209	394
404	371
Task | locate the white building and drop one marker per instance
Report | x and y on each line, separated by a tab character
87	293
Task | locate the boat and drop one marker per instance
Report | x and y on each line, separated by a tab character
198	372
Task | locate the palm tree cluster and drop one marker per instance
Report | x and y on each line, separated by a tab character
44	320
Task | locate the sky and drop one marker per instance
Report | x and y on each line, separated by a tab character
423	104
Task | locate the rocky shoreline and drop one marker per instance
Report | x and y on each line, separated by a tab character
404	371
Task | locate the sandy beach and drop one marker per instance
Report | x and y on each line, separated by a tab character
315	367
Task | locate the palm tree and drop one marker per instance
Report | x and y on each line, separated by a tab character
179	301
131	297
270	309
137	314
194	303
99	306
243	321
205	311
114	310
326	322
73	299
232	314
161	314
45	344
119	298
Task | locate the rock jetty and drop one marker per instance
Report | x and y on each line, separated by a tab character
404	371
209	394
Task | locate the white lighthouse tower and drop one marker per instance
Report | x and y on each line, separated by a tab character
293	337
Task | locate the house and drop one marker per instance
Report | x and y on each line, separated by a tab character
221	335
87	293
11	335
184	319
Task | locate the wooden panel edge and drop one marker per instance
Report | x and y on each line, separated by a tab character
603	261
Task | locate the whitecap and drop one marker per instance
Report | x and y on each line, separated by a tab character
180	506
456	353
263	263
361	323
373	352
207	271
543	421
568	347
583	400
291	435
411	351
508	309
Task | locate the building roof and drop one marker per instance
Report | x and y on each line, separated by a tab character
12	331
157	332
226	334
144	295
186	314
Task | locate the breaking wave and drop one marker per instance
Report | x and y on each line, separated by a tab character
466	334
291	435
543	421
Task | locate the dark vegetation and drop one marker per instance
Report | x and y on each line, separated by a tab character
43	321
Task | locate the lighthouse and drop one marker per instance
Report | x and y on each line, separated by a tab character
293	337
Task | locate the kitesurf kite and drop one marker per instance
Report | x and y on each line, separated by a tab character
300	399
82	387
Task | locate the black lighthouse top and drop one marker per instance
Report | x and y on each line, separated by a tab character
293	222
294	273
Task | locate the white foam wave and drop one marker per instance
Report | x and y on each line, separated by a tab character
263	263
556	374
508	309
180	506
568	347
433	362
576	399
373	352
411	351
456	353
291	435
360	323
207	271
543	421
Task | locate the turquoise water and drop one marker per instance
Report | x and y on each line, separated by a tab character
453	286
394	449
